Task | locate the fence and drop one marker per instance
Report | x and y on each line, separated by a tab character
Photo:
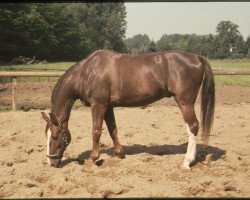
16	74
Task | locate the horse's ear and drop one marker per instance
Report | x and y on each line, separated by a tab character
45	117
54	119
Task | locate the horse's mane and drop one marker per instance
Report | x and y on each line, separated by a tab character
59	83
66	74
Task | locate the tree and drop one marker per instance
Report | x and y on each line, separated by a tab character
60	31
230	41
152	47
138	43
248	42
103	25
173	42
11	41
247	45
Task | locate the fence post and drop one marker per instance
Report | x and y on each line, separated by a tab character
14	93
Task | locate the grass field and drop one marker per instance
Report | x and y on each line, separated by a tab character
229	65
223	65
242	65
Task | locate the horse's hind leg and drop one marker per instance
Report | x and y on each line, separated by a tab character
111	125
98	112
193	128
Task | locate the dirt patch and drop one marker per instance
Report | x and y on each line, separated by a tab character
154	140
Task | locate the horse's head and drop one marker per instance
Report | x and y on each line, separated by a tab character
58	138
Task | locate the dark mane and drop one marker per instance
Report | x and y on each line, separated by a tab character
62	78
59	83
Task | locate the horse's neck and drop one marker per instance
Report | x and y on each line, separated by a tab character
63	101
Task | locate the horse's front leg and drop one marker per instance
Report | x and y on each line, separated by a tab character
98	112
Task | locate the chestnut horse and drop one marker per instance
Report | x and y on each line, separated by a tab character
107	79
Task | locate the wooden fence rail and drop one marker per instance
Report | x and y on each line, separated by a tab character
15	74
30	74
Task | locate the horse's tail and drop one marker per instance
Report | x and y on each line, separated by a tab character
207	100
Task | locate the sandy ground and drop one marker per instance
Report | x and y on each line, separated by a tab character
154	140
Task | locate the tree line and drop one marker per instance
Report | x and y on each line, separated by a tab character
226	43
71	31
60	31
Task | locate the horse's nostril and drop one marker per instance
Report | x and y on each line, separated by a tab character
55	162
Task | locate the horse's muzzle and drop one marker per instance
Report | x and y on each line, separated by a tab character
54	160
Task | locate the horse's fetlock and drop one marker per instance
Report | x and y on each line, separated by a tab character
95	155
118	152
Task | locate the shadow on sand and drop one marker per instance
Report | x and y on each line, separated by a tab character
202	152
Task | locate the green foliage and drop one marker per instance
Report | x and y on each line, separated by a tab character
229	41
173	42
10	17
248	42
60	31
138	44
152	47
211	46
193	43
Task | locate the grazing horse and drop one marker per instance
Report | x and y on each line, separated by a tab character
107	79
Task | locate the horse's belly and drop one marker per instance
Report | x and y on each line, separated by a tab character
137	98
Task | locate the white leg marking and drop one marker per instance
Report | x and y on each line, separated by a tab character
191	150
48	141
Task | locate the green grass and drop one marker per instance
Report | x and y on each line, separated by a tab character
224	65
238	65
58	66
229	66
233	80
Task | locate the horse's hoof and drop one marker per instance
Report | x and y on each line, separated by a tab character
185	166
120	156
94	156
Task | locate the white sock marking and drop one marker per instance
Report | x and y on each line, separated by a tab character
48	141
191	149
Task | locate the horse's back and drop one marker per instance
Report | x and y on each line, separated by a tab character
142	78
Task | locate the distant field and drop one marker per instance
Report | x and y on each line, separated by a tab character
224	65
242	65
229	65
58	66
